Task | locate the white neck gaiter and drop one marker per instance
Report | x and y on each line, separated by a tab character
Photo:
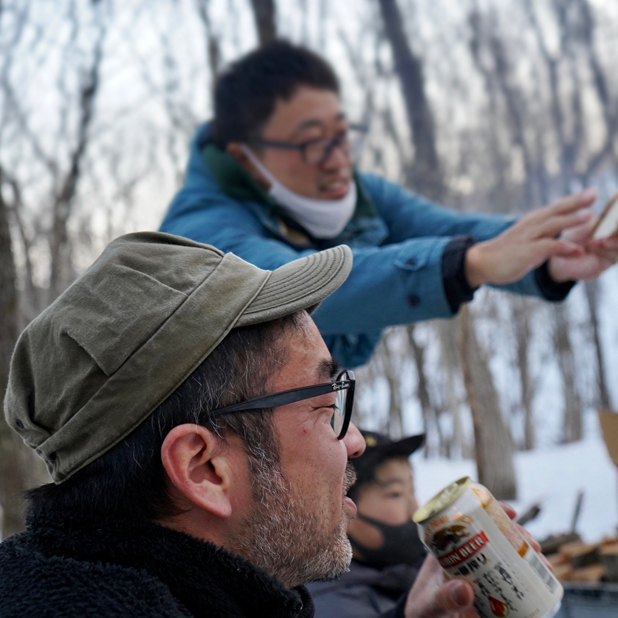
321	218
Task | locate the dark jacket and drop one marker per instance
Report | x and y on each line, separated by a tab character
364	592
78	567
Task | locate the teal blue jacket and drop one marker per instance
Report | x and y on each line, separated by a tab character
398	240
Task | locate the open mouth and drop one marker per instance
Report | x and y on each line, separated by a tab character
335	189
350	506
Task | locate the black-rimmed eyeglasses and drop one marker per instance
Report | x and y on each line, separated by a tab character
342	386
318	151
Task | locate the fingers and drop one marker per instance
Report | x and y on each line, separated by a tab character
606	247
571	203
609	244
558	247
530	539
536	546
512	513
556	223
562	214
570	215
508	509
433	597
451	598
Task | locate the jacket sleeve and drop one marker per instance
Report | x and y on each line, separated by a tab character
410	216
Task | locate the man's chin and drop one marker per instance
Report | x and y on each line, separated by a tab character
336	569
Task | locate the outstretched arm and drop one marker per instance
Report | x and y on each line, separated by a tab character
559	233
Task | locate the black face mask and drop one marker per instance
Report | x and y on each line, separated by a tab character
402	545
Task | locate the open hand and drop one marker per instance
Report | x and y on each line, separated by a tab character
538	237
434	595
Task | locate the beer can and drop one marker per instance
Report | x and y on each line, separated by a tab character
472	537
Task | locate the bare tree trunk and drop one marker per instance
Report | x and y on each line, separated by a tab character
366	377
584	26
493	444
213	51
426	174
12	472
498	78
265	14
392	372
422	384
521	315
60	273
592	295
451	364
573	428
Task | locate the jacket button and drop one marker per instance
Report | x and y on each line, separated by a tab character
413	301
411	261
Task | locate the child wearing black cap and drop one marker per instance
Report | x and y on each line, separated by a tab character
387	550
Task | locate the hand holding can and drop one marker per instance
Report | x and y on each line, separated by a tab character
472	537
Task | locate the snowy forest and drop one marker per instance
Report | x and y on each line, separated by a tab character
497	106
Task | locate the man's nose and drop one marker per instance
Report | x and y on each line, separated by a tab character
354	442
337	158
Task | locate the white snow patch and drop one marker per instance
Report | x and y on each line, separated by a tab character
552	477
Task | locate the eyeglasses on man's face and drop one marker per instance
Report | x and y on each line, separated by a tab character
343	387
317	151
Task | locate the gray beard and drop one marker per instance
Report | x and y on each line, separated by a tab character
285	538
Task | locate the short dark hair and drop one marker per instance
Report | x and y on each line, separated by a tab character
246	92
130	481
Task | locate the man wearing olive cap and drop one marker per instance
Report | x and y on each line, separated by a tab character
198	435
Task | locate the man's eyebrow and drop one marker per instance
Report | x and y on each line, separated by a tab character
314	122
329	368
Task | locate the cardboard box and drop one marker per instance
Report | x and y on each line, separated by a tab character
609	426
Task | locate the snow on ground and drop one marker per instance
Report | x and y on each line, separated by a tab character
552	477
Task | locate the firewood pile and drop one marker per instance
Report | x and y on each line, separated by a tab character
576	561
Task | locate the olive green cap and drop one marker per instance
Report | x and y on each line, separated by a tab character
99	360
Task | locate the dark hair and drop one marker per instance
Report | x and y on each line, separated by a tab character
246	92
130	481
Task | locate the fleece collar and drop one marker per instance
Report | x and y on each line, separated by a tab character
205	578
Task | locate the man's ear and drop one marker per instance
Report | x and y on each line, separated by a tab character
197	464
235	150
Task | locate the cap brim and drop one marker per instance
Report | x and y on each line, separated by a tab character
401	448
301	284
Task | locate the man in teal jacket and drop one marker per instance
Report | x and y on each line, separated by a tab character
271	180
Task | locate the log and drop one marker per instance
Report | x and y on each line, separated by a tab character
609	559
563	571
557	560
581	555
590	574
552	544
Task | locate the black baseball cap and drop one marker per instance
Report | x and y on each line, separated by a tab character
379	448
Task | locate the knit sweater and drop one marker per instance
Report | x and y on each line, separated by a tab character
77	566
